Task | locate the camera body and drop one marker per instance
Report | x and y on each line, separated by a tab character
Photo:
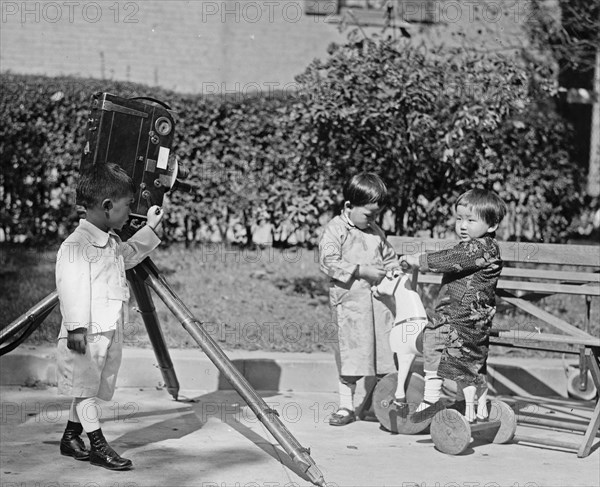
137	134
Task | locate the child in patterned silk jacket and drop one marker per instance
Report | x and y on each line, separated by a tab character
456	341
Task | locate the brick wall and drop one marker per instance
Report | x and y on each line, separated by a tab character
196	46
214	46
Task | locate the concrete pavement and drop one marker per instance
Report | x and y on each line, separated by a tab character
275	371
211	438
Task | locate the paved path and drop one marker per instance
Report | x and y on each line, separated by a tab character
212	439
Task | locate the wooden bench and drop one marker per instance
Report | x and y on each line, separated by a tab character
531	272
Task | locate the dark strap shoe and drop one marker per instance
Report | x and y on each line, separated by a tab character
71	444
401	407
102	454
338	419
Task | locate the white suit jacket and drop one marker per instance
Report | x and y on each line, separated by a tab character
90	276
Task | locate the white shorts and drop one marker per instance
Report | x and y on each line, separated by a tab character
93	374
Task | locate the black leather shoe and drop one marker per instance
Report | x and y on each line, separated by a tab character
401	407
71	444
102	454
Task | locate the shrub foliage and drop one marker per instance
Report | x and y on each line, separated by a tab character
433	124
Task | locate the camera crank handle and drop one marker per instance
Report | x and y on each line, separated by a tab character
146	195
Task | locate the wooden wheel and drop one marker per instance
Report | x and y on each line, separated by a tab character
385	410
504	432
450	432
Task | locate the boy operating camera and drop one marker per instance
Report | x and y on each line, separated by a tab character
93	294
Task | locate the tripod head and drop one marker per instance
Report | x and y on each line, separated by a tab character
137	134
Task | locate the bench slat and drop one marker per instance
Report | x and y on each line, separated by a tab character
539	287
584	255
545	287
542	346
537	274
536	253
522	337
556	275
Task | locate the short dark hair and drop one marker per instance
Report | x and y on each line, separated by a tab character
107	181
487	204
365	188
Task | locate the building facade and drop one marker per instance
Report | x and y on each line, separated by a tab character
224	46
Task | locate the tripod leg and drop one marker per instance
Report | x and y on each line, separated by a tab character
148	312
27	322
266	415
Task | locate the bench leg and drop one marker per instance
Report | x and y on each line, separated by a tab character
590	434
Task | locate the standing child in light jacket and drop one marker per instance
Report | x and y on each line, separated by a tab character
93	294
355	254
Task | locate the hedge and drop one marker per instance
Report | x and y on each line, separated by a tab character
433	124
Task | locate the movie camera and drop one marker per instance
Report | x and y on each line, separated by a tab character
137	134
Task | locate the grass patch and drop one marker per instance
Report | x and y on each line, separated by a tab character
263	299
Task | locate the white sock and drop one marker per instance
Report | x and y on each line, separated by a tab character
482	409
347	395
89	413
433	389
469	393
73	417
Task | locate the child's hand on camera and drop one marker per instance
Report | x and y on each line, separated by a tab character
155	215
370	273
77	340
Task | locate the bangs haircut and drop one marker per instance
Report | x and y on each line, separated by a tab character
108	181
364	189
486	204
